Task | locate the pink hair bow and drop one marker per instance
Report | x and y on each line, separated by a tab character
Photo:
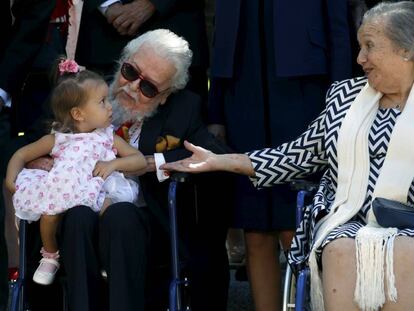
68	65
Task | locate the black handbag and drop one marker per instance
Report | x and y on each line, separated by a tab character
394	214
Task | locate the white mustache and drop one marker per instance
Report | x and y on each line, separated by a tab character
127	89
122	113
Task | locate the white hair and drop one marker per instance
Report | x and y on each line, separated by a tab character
398	19
168	45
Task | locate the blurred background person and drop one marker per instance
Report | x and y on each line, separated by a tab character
5	25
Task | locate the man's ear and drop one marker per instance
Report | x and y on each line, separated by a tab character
77	114
164	98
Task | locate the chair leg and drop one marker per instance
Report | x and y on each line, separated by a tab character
302	290
289	290
18	302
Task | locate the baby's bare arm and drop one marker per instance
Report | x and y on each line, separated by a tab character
130	158
26	154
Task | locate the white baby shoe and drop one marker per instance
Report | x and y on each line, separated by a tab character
45	273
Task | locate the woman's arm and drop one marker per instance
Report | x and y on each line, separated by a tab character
26	154
204	160
290	161
130	159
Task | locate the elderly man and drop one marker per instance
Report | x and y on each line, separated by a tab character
148	94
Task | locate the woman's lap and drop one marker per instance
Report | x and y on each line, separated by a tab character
349	230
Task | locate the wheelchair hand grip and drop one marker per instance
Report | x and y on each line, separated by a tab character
180	177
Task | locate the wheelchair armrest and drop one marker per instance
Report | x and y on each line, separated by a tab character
299	185
306	191
180	177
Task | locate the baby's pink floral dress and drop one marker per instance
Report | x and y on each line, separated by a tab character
70	182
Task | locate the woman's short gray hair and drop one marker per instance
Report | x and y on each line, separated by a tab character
398	19
168	46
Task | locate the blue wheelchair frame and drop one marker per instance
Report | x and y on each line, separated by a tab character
18	300
177	282
297	284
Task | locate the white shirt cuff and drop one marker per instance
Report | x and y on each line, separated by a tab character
104	6
5	97
159	160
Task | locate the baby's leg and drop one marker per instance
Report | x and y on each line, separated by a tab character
105	205
48	227
49	264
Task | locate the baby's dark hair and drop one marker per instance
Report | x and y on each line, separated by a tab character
69	92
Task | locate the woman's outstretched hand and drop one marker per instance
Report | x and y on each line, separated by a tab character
202	160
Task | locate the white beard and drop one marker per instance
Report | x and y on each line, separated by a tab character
121	114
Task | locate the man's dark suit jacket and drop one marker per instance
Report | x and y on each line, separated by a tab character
5	24
205	247
99	44
179	117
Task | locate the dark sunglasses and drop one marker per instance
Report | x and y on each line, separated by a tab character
147	88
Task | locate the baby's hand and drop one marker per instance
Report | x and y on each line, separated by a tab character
42	163
10	185
103	169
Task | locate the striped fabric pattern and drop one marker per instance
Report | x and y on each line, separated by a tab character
315	150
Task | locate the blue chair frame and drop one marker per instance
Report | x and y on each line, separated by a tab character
296	287
177	282
18	296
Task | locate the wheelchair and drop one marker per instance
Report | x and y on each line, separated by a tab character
178	300
17	288
296	281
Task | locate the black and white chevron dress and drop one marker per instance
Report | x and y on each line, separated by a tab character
315	150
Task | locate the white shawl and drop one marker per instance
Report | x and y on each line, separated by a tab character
394	181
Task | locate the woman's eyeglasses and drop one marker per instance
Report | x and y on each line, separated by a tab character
147	88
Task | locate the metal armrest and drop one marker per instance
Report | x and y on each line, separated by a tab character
180	177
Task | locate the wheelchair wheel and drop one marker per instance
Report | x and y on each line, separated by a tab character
289	290
17	301
296	291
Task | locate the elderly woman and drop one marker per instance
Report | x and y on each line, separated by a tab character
364	140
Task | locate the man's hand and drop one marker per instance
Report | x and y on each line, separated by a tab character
130	16
113	11
103	169
42	163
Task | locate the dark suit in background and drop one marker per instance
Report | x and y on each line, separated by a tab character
27	37
5	26
18	47
272	62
